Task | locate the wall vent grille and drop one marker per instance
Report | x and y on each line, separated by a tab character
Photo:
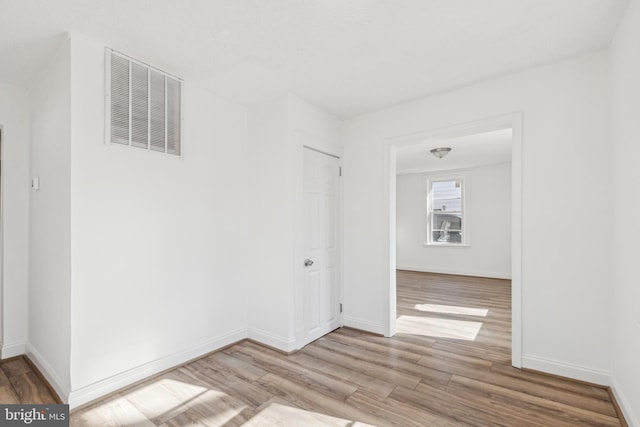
143	105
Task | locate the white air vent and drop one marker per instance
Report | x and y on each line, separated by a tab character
143	105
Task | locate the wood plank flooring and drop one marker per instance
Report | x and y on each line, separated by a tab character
20	382
449	365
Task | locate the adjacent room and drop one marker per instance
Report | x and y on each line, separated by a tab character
453	217
320	212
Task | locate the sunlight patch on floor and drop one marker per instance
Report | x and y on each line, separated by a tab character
279	413
117	408
161	400
438	328
450	309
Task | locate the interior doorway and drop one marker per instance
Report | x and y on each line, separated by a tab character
453	243
513	123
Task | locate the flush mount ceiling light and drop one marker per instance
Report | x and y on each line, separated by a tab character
440	152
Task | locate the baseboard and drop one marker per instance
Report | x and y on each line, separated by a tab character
47	371
474	273
98	389
12	350
274	341
363	325
568	370
632	418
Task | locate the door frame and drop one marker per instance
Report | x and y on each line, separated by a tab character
304	140
513	121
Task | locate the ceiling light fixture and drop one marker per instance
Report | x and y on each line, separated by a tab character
440	152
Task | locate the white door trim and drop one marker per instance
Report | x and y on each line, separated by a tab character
305	140
321	285
513	121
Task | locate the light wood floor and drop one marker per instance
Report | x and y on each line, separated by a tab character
449	365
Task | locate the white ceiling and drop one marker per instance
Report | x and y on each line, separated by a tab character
486	148
348	57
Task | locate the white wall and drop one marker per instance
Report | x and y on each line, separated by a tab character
50	222
625	58
278	130
489	210
15	219
566	298
270	247
141	261
159	266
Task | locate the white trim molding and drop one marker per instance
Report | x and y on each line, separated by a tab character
12	350
363	325
564	369
630	416
272	340
100	388
304	138
513	120
48	372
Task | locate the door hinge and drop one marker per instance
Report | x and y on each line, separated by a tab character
339	170
340	307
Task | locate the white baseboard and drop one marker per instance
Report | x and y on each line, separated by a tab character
630	416
275	341
98	389
45	368
568	370
475	273
12	350
363	325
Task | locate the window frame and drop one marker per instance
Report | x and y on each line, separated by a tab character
428	180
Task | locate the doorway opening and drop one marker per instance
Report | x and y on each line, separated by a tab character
440	239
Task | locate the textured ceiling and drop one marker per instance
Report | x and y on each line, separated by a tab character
348	57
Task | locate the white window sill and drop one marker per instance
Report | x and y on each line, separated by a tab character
448	245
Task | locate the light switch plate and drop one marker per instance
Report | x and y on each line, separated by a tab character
35	183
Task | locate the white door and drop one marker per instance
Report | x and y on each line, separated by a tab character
321	258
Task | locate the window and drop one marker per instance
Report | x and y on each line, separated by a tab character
446	210
143	106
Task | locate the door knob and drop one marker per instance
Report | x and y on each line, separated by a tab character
308	262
